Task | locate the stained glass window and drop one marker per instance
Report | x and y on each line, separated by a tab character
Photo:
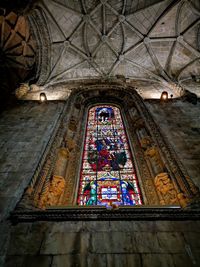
107	175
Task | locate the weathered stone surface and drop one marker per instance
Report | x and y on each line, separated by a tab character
29	236
97	260
177	226
69	226
142	246
193	239
171	242
146	242
107	242
184	260
39	261
157	260
96	226
7	203
4	237
16	261
66	261
2	260
196	256
179	122
28	261
124	226
119	260
79	260
24	133
65	243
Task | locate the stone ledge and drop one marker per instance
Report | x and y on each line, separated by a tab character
101	213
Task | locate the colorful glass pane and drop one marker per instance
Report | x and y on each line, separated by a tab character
107	175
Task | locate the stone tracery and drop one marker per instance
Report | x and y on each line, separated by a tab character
162	178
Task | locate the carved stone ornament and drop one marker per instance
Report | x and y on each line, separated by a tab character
166	189
40	31
163	179
53	194
73	124
22	90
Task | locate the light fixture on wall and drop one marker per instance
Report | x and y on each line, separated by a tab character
164	96
43	97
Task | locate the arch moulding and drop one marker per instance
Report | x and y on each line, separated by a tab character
163	180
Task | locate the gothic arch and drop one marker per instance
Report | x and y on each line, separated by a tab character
163	179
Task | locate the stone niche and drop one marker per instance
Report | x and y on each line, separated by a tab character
162	178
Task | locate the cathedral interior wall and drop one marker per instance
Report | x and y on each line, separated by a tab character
180	124
104	243
25	132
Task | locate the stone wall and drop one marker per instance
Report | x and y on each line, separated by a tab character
105	243
180	124
24	134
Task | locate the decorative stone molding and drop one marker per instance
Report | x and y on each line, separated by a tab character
163	179
166	189
39	29
22	90
177	171
100	213
53	194
73	124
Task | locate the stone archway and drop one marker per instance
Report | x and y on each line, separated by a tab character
163	179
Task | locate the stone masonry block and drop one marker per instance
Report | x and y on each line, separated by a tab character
157	260
37	261
126	260
66	261
115	242
26	239
4	237
184	260
172	242
192	239
16	261
69	226
96	226
146	242
65	243
79	260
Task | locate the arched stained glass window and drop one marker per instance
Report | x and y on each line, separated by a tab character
107	175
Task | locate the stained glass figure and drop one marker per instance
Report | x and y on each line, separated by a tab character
107	175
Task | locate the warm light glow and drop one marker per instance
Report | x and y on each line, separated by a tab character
43	97
164	95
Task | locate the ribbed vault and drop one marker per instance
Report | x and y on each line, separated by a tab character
17	52
153	45
155	42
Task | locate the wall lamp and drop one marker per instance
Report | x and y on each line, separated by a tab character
43	97
164	96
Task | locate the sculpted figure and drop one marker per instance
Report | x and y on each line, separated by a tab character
165	187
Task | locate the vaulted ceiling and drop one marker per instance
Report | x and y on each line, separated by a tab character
17	52
153	44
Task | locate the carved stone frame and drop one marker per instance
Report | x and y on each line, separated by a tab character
65	149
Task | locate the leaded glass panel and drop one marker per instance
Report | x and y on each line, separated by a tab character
107	175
